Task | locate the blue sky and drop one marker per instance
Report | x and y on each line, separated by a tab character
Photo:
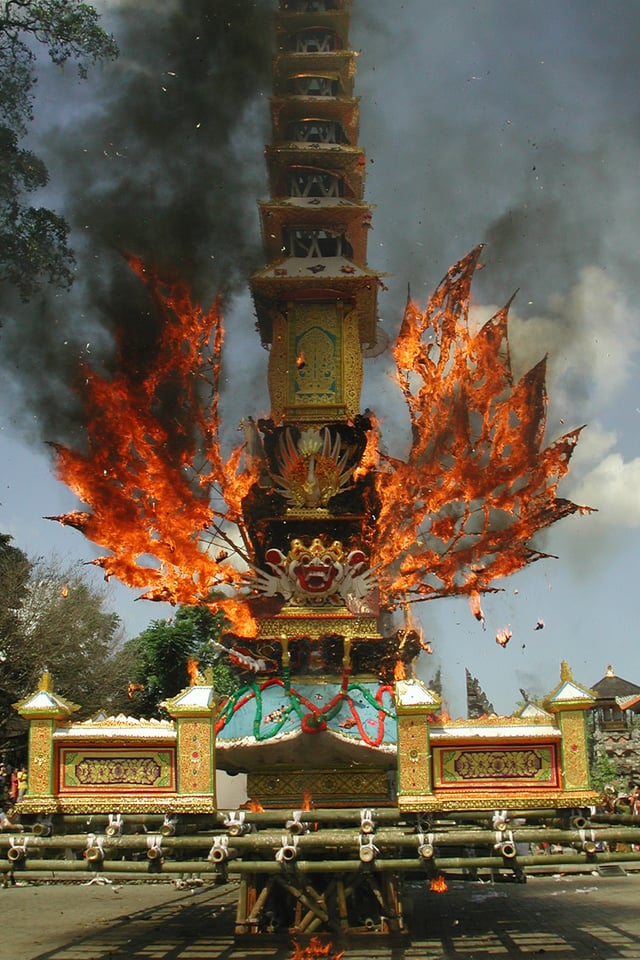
514	124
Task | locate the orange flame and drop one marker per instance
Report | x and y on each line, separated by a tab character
315	949
254	805
307	800
476	486
157	487
371	457
399	671
64	593
134	688
192	670
459	513
438	885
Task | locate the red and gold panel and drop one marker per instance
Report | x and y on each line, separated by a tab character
413	757
117	772
195	757
574	749
40	758
496	767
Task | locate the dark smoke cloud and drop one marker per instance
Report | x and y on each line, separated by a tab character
159	155
515	124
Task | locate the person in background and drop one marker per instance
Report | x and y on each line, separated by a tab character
13	786
22	781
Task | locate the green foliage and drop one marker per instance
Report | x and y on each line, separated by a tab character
603	773
52	618
159	656
33	240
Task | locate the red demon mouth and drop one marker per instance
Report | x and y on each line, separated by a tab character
316	576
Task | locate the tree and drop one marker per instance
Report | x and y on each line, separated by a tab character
52	618
158	658
33	240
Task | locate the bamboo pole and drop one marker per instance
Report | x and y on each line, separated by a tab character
122	870
443	863
331	840
241	908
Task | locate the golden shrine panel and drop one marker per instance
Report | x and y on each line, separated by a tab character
195	760
496	767
40	758
116	772
325	787
315	355
413	756
575	763
315	366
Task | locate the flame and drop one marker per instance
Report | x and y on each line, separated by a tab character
64	593
307	801
453	517
134	688
399	671
438	885
476	486
192	670
476	606
370	459
503	636
315	949
254	805
157	486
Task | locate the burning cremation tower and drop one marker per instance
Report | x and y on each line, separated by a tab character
316	304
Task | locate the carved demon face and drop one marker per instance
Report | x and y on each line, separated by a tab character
317	570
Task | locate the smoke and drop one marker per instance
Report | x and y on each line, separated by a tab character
159	155
516	126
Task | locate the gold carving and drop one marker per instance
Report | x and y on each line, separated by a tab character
414	762
574	750
167	803
315	366
40	759
92	770
315	354
325	786
195	759
352	362
309	623
495	800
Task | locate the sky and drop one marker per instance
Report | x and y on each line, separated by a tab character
511	124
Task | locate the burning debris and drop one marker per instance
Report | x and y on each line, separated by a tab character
503	636
158	492
315	949
460	512
438	885
456	515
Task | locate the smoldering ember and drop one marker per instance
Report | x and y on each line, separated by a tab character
316	545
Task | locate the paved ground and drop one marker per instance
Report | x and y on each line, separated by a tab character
564	917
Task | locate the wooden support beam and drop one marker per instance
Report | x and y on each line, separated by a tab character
303	898
241	909
253	919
